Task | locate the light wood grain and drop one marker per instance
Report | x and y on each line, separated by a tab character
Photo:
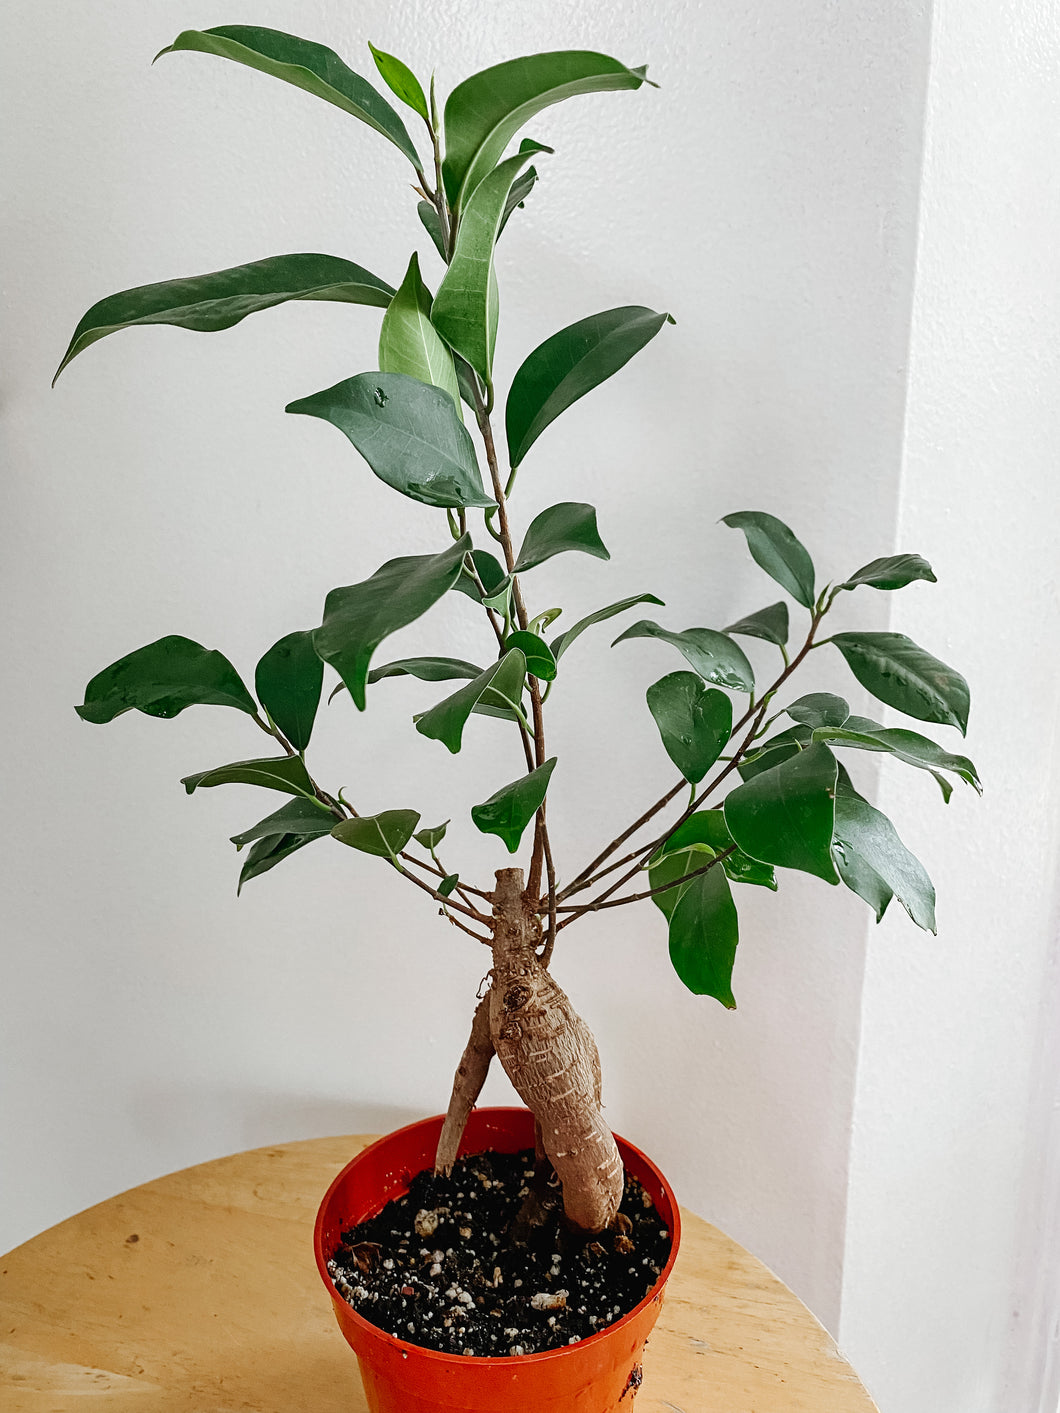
216	1307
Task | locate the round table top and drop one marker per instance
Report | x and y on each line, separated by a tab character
198	1293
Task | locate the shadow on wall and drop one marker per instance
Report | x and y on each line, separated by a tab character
228	1121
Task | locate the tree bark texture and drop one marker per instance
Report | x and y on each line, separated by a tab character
550	1056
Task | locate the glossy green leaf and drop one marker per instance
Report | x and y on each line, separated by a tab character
427	669
162	679
431	838
270	851
359	617
540	661
431	223
893	572
510	810
570	525
306	65
288	681
298	817
500	598
694	721
484	113
770	623
286	773
281	834
898	672
448	883
769	754
490	574
704	929
708	827
409	342
819	709
465	308
715	657
409	433
208	303
786	815
867	843
562	641
520	190
570	364
908	746
401	81
384	834
502	680
776	550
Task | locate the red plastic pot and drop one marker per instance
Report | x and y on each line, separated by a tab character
598	1375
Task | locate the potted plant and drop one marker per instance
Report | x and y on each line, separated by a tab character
762	779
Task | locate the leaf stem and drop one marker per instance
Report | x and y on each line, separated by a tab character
600	903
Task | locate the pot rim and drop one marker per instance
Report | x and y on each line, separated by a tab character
406	1347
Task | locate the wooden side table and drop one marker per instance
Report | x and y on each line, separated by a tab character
198	1293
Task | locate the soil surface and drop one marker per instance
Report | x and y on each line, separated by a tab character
450	1267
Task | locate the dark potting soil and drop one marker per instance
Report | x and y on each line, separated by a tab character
441	1266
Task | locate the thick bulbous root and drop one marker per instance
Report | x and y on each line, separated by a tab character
550	1056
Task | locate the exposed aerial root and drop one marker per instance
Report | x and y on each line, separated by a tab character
467	1085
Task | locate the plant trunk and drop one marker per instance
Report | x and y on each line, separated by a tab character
550	1056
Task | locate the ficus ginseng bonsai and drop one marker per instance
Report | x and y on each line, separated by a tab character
753	793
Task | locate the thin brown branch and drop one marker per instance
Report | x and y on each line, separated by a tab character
583	881
577	909
440	897
440	872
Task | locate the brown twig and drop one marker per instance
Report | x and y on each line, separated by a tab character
578	909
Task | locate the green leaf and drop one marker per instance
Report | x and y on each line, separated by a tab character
288	682
286	773
898	672
448	883
270	851
786	815
894	572
489	571
520	190
306	65
708	827
281	834
869	852
704	929
503	681
776	550
427	669
431	223
300	816
562	641
819	709
769	754
358	618
769	623
409	433
465	308
908	746
409	342
510	810
540	661
695	722
431	838
401	81
162	679
485	112
208	303
384	834
570	364
567	526
715	657
500	599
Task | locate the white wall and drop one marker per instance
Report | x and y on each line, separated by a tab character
768	195
952	1206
